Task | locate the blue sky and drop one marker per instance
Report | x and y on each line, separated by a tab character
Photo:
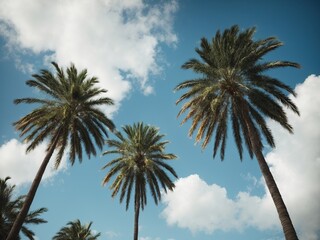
136	49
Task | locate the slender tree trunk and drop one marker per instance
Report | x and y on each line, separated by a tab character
287	226
136	220
16	227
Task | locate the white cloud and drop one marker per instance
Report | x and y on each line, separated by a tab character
208	208
22	167
196	213
295	165
117	41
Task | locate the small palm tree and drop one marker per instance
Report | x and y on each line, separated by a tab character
140	162
76	231
9	209
68	117
234	89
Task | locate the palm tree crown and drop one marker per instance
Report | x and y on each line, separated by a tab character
9	209
233	86
76	231
69	115
140	162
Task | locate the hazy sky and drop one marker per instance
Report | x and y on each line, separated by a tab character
136	49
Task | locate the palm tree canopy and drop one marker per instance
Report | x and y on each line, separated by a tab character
68	112
9	209
233	86
76	231
140	162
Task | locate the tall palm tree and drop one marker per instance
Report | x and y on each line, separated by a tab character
234	89
9	209
68	116
76	231
140	162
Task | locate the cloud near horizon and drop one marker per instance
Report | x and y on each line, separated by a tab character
295	165
120	44
22	167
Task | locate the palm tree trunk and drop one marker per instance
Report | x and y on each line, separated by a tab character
16	227
136	220
287	226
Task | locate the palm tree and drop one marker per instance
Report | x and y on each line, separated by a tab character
68	117
9	209
76	231
234	87
140	162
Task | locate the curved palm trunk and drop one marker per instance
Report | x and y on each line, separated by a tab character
16	227
287	226
136	220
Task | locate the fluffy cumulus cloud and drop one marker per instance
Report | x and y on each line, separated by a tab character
22	167
295	165
209	208
117	41
295	162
